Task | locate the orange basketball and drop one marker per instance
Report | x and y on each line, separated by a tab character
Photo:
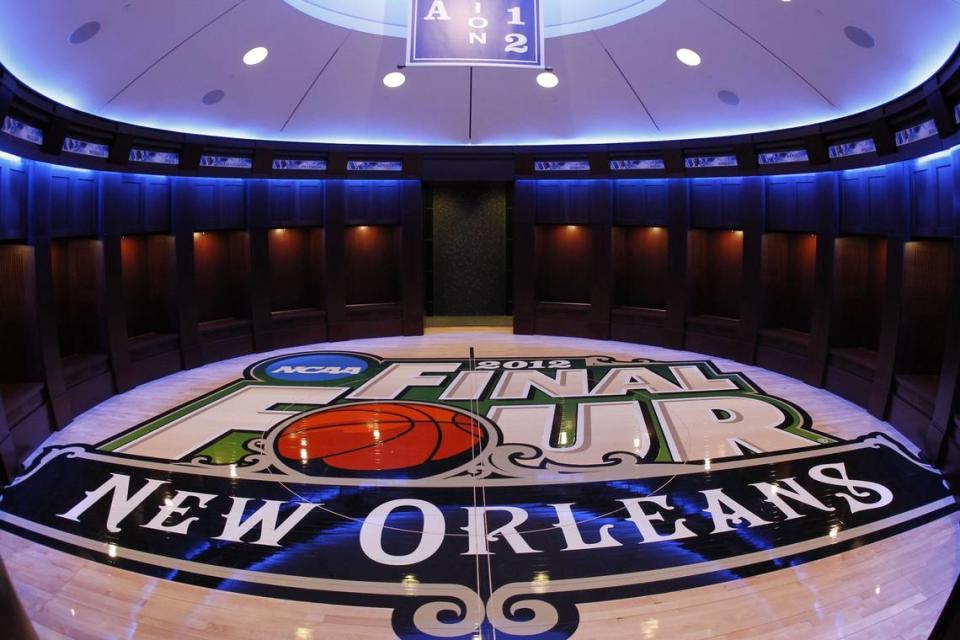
380	436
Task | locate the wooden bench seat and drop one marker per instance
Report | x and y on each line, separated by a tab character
920	391
714	325
786	340
297	317
81	367
856	360
224	328
21	399
152	344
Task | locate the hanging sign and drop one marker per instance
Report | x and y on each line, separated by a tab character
479	33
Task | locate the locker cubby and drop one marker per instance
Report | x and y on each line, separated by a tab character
563	281
26	412
859	292
372	268
789	277
78	288
641	282
714	283
925	305
296	286
222	273
148	264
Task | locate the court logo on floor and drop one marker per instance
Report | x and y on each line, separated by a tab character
319	367
472	497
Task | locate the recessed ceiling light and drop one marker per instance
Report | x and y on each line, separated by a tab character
255	56
728	97
859	37
213	97
394	79
548	80
84	32
688	57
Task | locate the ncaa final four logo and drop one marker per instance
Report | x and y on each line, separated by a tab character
472	497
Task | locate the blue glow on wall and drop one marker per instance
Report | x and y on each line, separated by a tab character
9	160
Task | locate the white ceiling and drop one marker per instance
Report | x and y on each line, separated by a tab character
790	63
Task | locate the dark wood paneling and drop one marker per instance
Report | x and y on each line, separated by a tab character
222	271
679	225
372	257
564	264
753	220
411	256
183	232
641	267
333	256
74	203
859	288
715	273
792	204
563	319
942	437
926	304
13	202
217	204
602	269
719	204
296	262
20	348
932	198
296	203
563	202
524	258
115	311
789	269
373	320
78	280
373	202
865	199
149	284
156	207
641	202
827	212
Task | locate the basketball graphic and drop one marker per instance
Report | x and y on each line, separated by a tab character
381	439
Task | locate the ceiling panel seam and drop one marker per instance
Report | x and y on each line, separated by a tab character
623	75
470	110
315	80
765	48
164	56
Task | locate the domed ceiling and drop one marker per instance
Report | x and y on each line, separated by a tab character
765	64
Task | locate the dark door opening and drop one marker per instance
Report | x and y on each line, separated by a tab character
467	228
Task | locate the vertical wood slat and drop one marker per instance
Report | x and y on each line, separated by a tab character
947	404
827	224
678	227
188	322
334	260
49	338
411	281
115	210
524	258
601	219
753	219
258	221
897	210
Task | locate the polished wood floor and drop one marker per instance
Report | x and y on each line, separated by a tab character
887	590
